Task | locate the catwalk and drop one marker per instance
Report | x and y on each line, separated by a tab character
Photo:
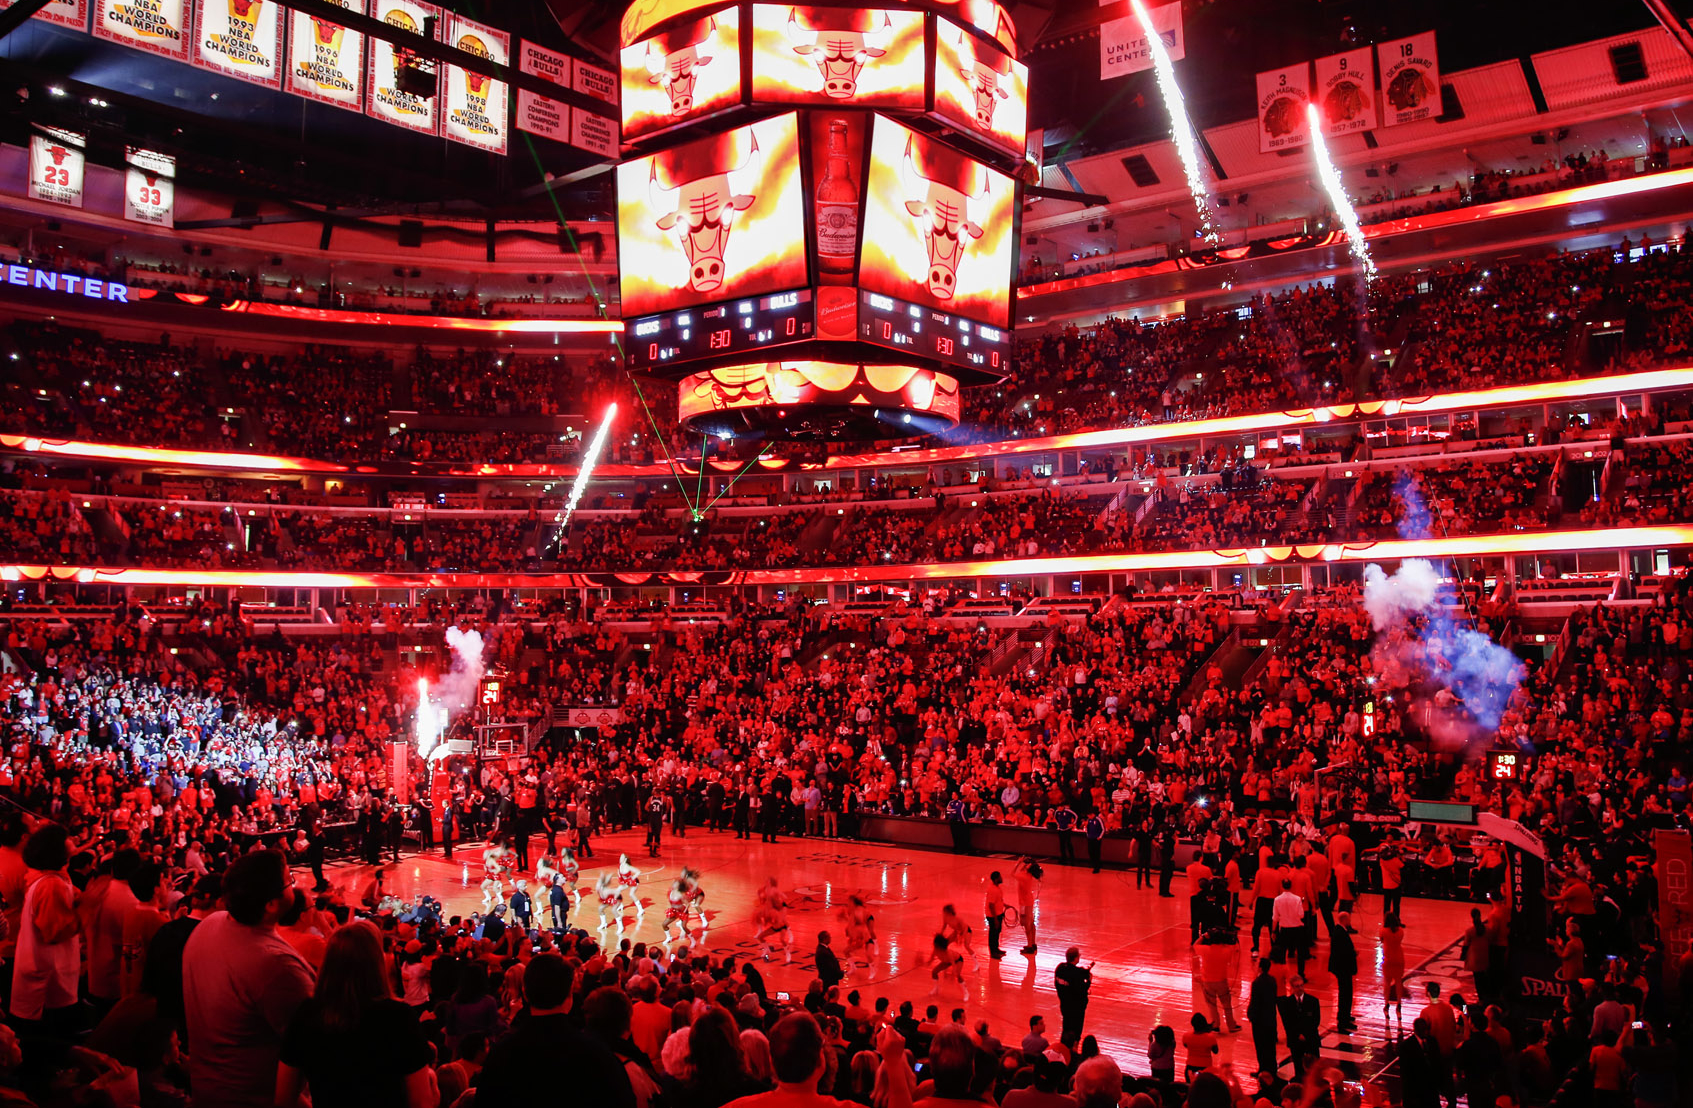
1144	973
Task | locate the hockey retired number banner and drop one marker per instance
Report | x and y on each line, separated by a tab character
56	166
66	13
325	59
1283	123
383	98
242	38
1410	79
1345	91
158	26
149	190
478	108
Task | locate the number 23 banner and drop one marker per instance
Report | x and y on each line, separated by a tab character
56	166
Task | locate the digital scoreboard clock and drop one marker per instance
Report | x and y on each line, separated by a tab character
1502	765
919	331
752	324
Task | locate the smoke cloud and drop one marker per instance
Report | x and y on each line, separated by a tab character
456	689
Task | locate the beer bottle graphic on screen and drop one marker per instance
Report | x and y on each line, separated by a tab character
837	210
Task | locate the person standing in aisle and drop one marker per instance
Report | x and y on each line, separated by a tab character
1095	829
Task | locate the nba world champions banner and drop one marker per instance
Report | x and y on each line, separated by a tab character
242	38
384	99
157	26
66	13
477	111
325	59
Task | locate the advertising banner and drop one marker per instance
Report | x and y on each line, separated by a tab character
325	59
716	219
847	56
56	165
149	191
383	98
937	226
980	87
1410	79
1123	48
1345	89
157	26
684	73
1283	123
242	38
1675	893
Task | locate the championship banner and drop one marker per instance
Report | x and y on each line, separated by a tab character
326	60
1410	79
477	111
1675	894
149	190
56	166
242	38
157	26
1123	48
597	134
1346	91
591	80
537	114
1283	123
66	13
383	98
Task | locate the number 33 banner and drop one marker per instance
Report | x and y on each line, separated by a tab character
55	166
149	191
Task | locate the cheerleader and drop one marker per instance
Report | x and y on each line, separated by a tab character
545	871
572	873
493	877
628	877
676	912
772	916
860	928
611	899
949	964
696	898
957	935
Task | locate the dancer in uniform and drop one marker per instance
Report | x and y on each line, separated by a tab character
545	871
572	873
629	877
676	912
860	927
957	934
772	917
493	876
696	898
949	964
611	898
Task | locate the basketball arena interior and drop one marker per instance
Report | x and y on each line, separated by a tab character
908	553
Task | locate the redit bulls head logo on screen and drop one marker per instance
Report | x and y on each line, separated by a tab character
710	220
980	87
820	55
686	72
938	226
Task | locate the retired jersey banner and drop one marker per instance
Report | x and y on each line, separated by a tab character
1410	79
325	59
66	13
478	108
1123	48
56	166
149	191
158	26
242	38
1345	91
1283	123
537	114
383	98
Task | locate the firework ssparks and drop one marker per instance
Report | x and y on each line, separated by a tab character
1181	128
582	475
1343	211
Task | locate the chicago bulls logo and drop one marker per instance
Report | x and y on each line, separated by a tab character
674	59
984	75
697	187
840	42
940	200
57	153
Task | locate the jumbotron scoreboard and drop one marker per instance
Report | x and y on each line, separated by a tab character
817	216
